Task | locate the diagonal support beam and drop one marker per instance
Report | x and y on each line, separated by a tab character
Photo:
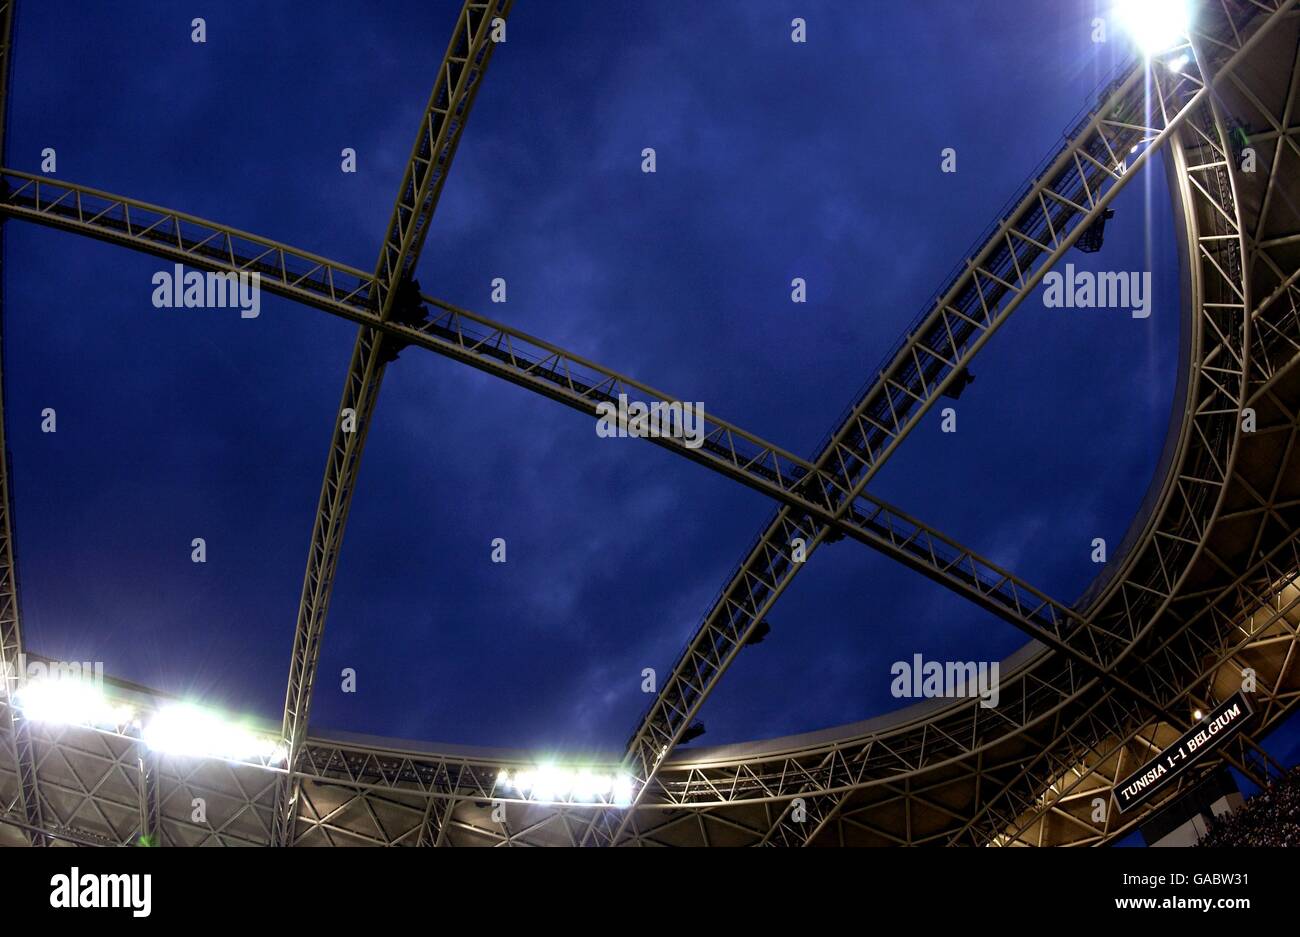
437	817
459	78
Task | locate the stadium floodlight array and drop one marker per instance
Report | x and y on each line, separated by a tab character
180	729
185	729
551	783
72	703
188	730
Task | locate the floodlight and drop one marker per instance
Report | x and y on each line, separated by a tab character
622	792
550	783
187	730
1155	25
69	702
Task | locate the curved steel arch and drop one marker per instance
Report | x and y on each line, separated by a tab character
459	78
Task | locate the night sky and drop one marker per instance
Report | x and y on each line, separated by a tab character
775	160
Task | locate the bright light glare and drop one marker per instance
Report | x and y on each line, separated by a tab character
568	785
70	703
181	729
186	730
1155	25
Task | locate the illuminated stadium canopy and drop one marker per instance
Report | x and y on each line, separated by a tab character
1201	591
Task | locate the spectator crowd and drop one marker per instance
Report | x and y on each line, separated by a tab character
1270	818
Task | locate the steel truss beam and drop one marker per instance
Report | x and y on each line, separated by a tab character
459	78
162	232
1253	613
437	816
80	768
1273	239
1260	632
1153	572
104	783
1050	216
391	778
1091	744
74	837
1220	388
1029	695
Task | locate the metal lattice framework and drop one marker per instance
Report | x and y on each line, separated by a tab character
459	78
1205	586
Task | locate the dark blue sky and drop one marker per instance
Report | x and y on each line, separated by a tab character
775	160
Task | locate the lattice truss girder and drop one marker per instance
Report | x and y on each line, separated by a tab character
100	788
835	762
1216	394
869	520
459	78
1261	102
1074	756
1263	634
388	780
